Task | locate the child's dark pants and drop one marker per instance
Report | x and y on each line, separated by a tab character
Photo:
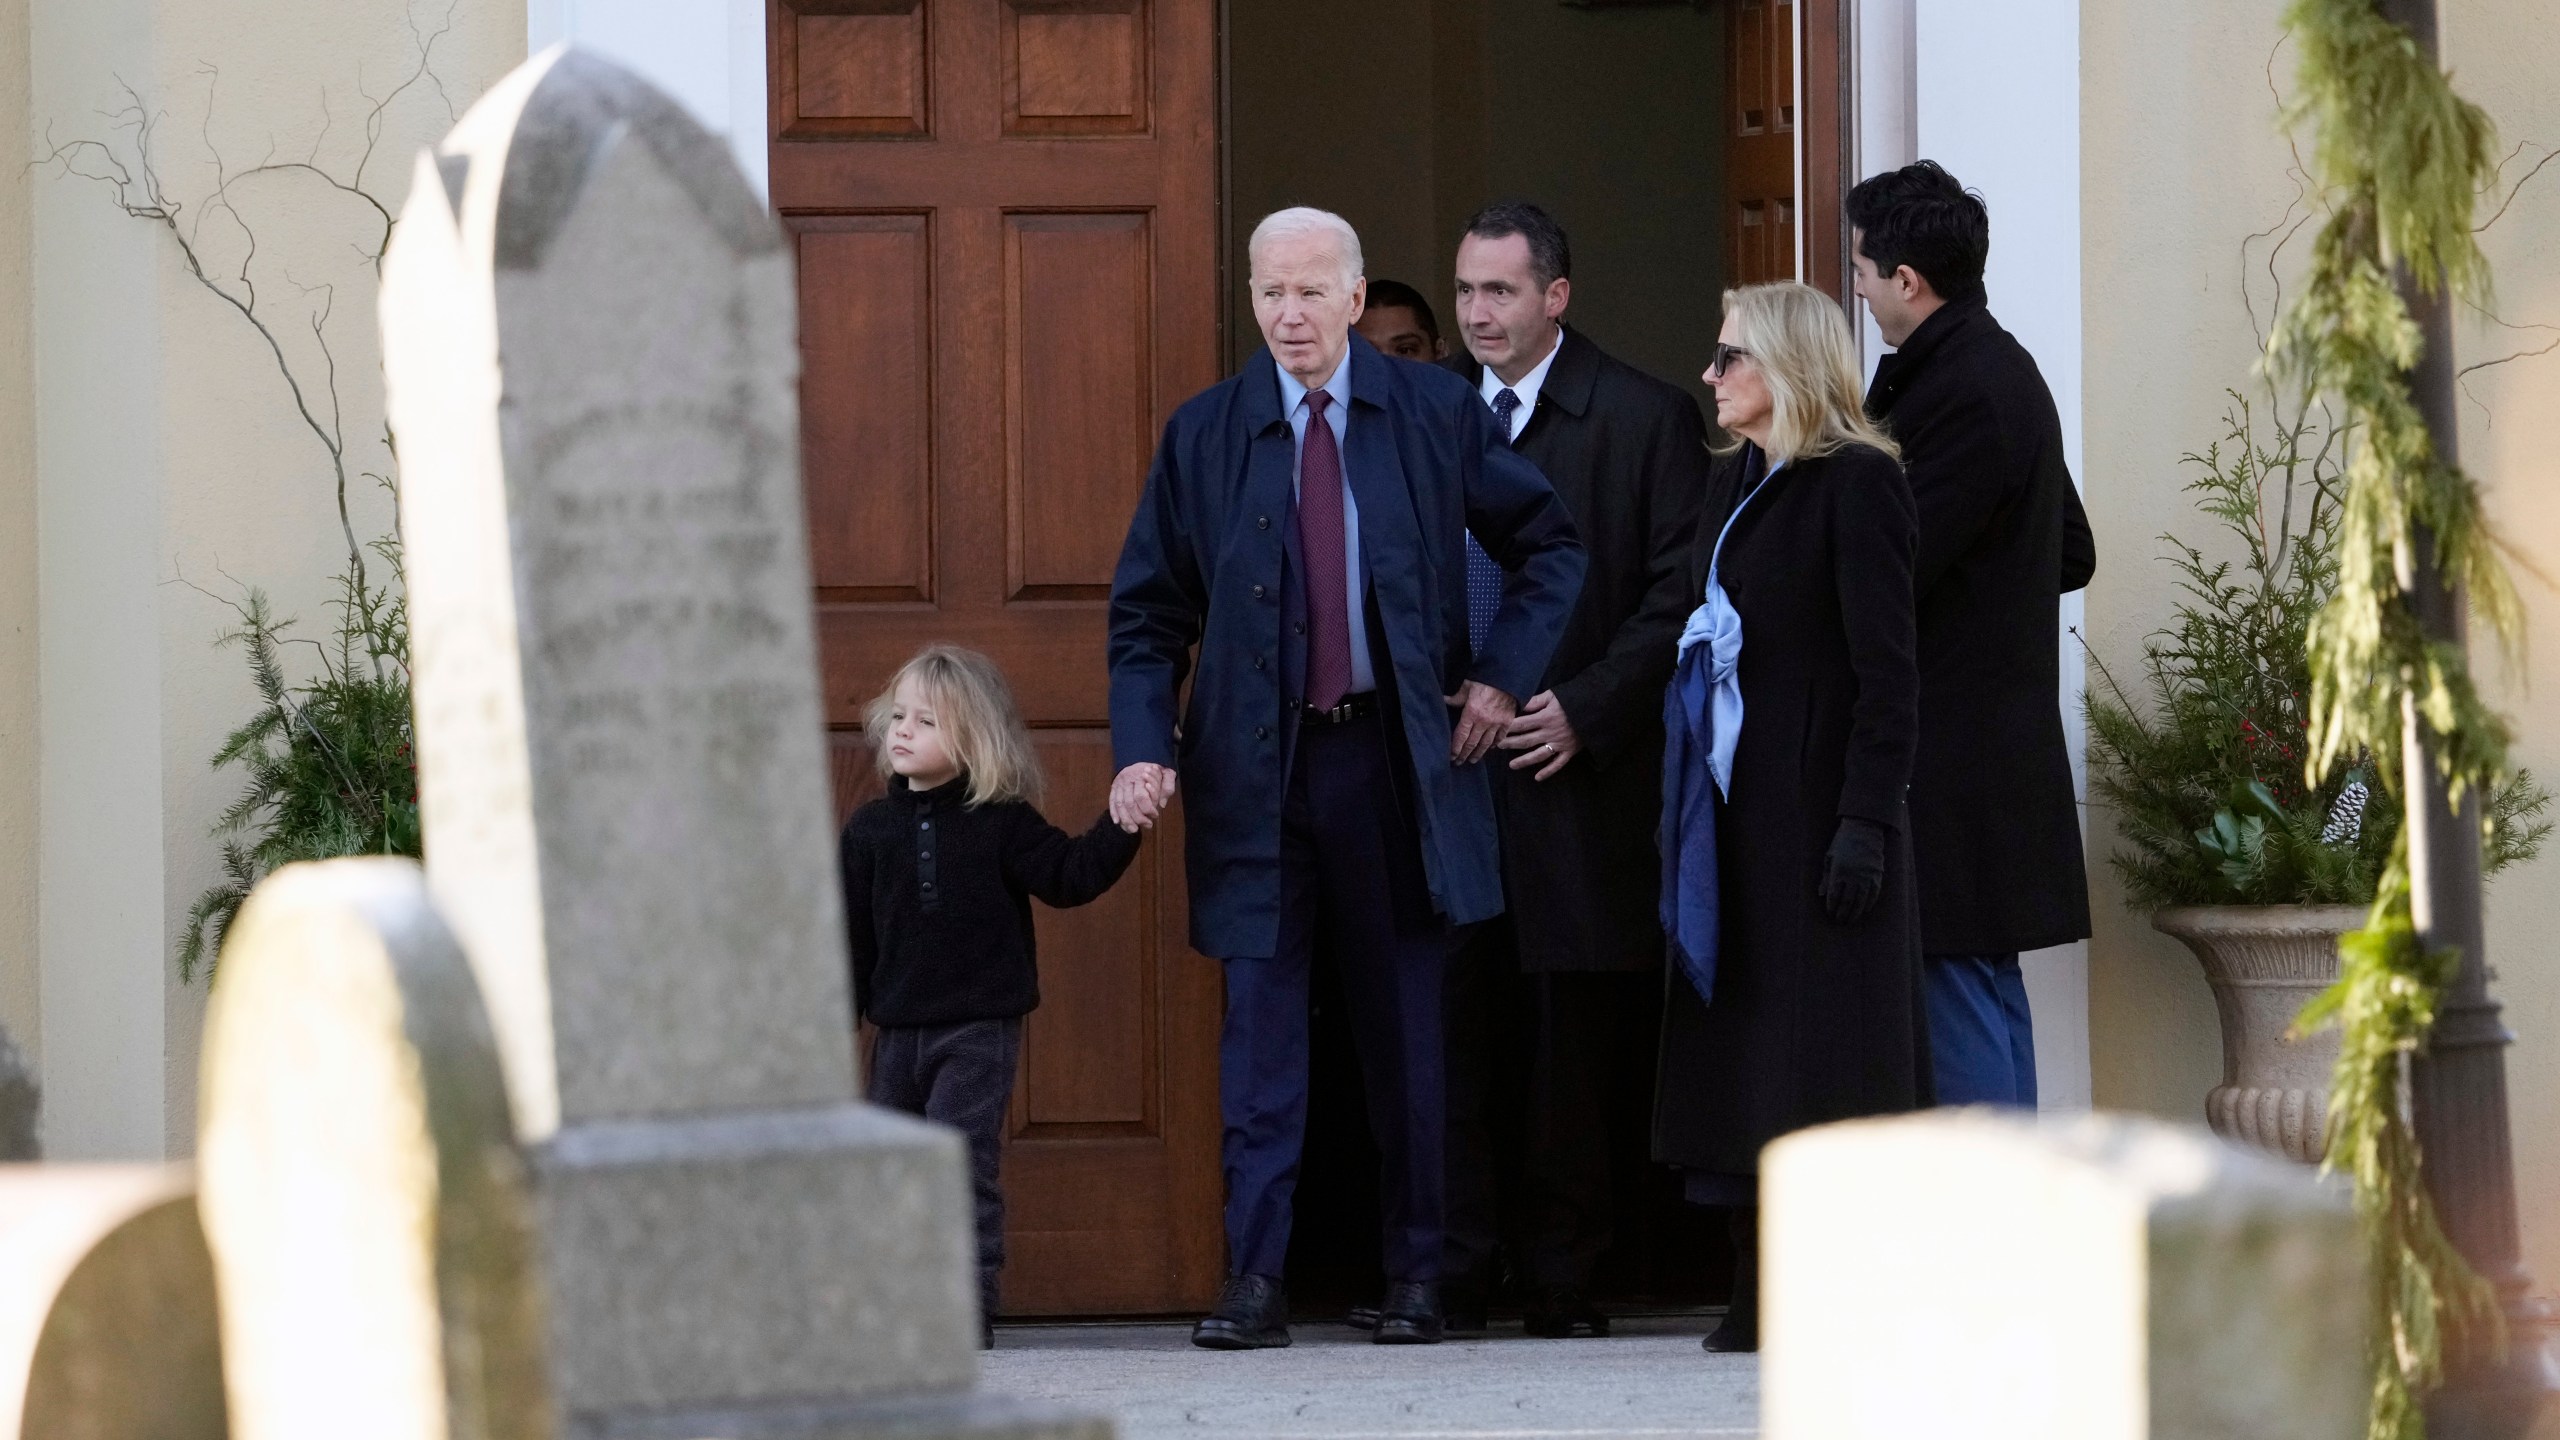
961	1076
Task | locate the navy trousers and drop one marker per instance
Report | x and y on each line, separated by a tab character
1982	1041
1350	880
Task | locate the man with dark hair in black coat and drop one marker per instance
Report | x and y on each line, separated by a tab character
1577	960
1994	823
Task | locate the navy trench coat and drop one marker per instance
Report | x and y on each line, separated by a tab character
1211	561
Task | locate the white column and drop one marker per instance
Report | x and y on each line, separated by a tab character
104	949
708	54
1888	119
1994	95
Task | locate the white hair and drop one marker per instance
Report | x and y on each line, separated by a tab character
1307	220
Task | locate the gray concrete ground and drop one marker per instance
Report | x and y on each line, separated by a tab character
1648	1382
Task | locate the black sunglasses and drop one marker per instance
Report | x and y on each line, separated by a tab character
1724	357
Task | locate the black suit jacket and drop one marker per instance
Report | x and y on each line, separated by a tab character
2002	538
1627	454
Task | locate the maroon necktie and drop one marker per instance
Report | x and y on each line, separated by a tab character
1320	539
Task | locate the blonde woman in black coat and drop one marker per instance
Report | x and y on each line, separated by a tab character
1795	994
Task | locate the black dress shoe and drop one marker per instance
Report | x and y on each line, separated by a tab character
1564	1315
1462	1313
1410	1314
1252	1313
1738	1335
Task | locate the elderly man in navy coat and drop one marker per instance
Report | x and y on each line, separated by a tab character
1304	527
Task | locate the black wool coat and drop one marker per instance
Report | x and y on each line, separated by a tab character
1812	1021
2002	537
1627	454
938	900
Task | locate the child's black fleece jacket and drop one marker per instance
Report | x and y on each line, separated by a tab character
938	900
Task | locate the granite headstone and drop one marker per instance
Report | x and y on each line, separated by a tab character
591	357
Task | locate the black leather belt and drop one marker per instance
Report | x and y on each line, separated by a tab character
1353	707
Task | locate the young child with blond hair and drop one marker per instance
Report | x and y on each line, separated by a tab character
939	874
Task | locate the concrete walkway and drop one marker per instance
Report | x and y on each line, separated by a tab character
1648	1382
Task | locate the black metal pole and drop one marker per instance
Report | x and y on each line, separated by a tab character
2458	1086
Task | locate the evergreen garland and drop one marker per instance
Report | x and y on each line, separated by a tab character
2401	158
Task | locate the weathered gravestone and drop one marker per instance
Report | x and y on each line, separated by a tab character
1994	1276
363	1195
107	1327
590	351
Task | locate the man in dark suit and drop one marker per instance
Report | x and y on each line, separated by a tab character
2002	538
1303	525
1575	966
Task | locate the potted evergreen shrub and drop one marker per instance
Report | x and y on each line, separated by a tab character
2227	841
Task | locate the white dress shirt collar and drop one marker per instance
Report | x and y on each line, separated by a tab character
1293	391
1489	385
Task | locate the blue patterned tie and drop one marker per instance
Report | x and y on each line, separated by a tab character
1484	578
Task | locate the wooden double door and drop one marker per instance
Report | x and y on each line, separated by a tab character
1007	229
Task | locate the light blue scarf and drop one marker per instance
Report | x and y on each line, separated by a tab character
1702	724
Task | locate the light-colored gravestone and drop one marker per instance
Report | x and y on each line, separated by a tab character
1996	1276
363	1194
591	356
107	1327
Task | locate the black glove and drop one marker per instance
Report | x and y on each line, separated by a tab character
1853	871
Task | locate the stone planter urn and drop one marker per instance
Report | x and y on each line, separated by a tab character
2265	962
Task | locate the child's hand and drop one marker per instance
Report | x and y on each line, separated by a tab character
1139	794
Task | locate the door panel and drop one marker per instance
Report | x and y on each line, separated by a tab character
1075	67
1004	212
1760	140
1082	420
856	67
866	329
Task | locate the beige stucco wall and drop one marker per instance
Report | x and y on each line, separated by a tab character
2180	162
167	450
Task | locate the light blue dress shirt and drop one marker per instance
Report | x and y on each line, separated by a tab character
1355	583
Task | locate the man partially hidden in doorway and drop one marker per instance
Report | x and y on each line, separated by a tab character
1994	826
1400	323
1571	977
1303	526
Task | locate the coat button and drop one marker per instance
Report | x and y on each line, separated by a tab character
1261	732
1261	522
924	824
1259	592
1260	662
1300	627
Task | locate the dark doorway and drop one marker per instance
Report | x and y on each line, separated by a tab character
1406	115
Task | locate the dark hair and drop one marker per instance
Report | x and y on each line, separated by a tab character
1550	254
1922	217
1397	295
